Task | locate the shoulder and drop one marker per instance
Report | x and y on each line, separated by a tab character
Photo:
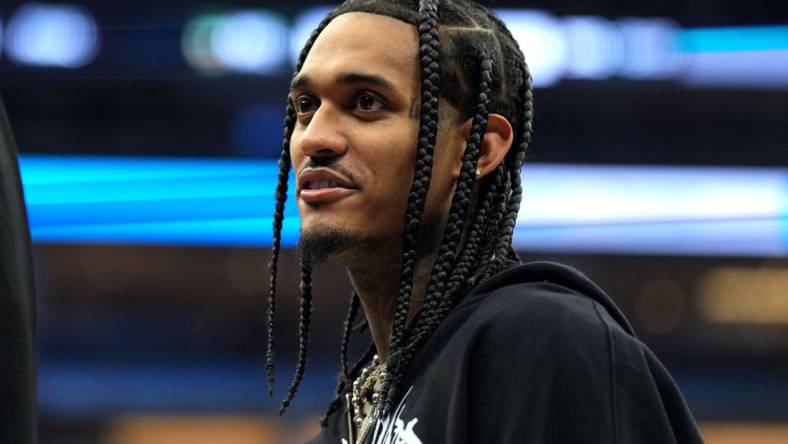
545	298
550	341
548	323
541	331
538	307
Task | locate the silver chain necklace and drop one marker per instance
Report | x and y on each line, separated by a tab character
363	400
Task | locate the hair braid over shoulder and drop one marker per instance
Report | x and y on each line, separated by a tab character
438	300
429	50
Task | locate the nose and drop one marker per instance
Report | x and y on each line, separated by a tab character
323	137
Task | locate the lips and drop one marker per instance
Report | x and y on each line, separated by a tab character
323	185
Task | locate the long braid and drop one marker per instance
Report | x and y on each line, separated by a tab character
502	187
430	75
305	315
429	46
442	296
471	253
525	94
344	375
436	300
347	331
439	297
281	197
522	147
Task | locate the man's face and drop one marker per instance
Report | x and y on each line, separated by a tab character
354	145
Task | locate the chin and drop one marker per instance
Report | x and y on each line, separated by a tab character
319	244
324	242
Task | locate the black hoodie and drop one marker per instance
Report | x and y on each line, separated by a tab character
535	354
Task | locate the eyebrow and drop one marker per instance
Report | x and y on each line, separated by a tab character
351	78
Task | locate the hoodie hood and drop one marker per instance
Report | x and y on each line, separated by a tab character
554	273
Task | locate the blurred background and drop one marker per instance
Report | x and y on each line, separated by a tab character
149	134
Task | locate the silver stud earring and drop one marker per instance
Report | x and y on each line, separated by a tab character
478	173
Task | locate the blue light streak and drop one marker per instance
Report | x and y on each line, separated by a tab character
724	39
748	57
225	202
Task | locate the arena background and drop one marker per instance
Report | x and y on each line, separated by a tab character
148	135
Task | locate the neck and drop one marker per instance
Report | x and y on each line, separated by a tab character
377	283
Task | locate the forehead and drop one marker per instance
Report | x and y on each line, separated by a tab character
374	44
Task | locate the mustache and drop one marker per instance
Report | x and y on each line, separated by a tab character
336	167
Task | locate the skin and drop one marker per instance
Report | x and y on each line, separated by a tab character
355	97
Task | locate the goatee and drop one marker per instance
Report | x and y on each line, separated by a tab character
315	247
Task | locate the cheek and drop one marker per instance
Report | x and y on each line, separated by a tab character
391	179
389	172
296	156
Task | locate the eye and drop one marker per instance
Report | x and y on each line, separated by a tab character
367	101
305	104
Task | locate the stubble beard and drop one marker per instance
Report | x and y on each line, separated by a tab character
332	243
317	246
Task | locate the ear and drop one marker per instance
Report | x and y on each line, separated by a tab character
497	141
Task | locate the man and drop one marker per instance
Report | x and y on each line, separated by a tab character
406	127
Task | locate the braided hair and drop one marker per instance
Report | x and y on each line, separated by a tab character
469	58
